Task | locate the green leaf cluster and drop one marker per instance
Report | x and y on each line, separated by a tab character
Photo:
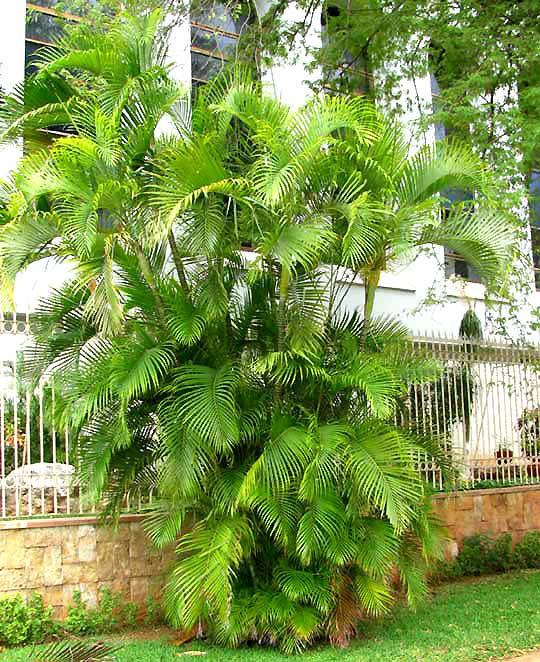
202	348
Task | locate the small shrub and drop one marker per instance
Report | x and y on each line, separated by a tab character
128	614
25	622
473	558
154	613
445	571
79	619
502	557
527	551
482	555
111	613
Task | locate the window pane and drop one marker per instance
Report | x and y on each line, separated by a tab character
43	27
29	49
223	18
454	265
213	41
53	4
204	67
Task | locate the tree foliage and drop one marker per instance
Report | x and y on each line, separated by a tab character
232	383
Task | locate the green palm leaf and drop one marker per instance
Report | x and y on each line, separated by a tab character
205	403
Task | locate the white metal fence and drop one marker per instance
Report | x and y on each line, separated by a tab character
36	458
484	410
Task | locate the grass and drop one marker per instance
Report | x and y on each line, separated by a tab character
464	622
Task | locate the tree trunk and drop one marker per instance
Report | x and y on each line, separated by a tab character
148	276
281	319
178	263
371	282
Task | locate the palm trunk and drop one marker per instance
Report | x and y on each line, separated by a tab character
148	276
371	282
282	321
178	263
282	308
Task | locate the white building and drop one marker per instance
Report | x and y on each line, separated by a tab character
199	49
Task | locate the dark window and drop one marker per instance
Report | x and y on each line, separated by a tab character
43	25
534	193
454	264
214	40
351	75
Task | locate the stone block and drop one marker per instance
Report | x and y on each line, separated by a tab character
531	516
84	530
145	567
464	503
121	560
12	554
120	585
55	596
71	573
88	573
34	567
52	566
12	579
123	532
70	544
139	590
68	591
105	561
105	534
89	594
45	537
87	545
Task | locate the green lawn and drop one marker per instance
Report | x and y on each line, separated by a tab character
467	622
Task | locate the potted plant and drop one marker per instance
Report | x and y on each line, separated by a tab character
504	455
529	427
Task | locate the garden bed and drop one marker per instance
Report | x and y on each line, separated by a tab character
471	621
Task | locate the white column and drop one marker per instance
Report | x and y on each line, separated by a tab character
179	54
287	79
12	33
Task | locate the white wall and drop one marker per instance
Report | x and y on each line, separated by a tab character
402	291
287	78
12	29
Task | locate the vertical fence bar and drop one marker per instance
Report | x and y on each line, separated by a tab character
532	461
28	432
517	378
2	427
69	487
53	433
41	440
506	357
15	436
497	409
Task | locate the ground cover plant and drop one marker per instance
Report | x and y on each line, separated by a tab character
30	621
201	348
475	621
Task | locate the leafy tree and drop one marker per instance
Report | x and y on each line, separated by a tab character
230	382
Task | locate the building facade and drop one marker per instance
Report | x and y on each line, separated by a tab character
430	295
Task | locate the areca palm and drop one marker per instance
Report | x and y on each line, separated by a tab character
406	208
231	384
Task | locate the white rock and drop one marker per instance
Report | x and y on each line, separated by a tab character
41	476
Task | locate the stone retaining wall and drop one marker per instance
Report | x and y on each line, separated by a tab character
514	510
56	557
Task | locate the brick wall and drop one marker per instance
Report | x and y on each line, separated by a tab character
58	557
514	510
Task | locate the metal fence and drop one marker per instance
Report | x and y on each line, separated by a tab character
36	458
483	409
